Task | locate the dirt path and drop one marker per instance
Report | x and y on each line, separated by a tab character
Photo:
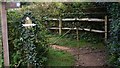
85	56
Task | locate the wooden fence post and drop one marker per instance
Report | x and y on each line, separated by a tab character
105	28
60	25
77	33
5	34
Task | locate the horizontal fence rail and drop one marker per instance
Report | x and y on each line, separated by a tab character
77	19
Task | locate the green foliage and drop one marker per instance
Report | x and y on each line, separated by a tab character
1	59
27	45
114	40
58	9
1	51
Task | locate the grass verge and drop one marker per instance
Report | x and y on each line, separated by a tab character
59	58
63	41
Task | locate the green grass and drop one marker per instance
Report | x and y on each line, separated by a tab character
53	39
65	41
59	58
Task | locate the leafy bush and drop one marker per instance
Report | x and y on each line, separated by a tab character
28	46
114	40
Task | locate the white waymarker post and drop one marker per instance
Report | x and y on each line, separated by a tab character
28	23
5	30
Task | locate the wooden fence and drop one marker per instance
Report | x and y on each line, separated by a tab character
60	28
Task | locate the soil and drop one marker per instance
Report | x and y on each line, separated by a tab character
85	56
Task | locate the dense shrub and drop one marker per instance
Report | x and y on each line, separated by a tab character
27	46
114	40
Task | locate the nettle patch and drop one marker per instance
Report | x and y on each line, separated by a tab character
28	46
